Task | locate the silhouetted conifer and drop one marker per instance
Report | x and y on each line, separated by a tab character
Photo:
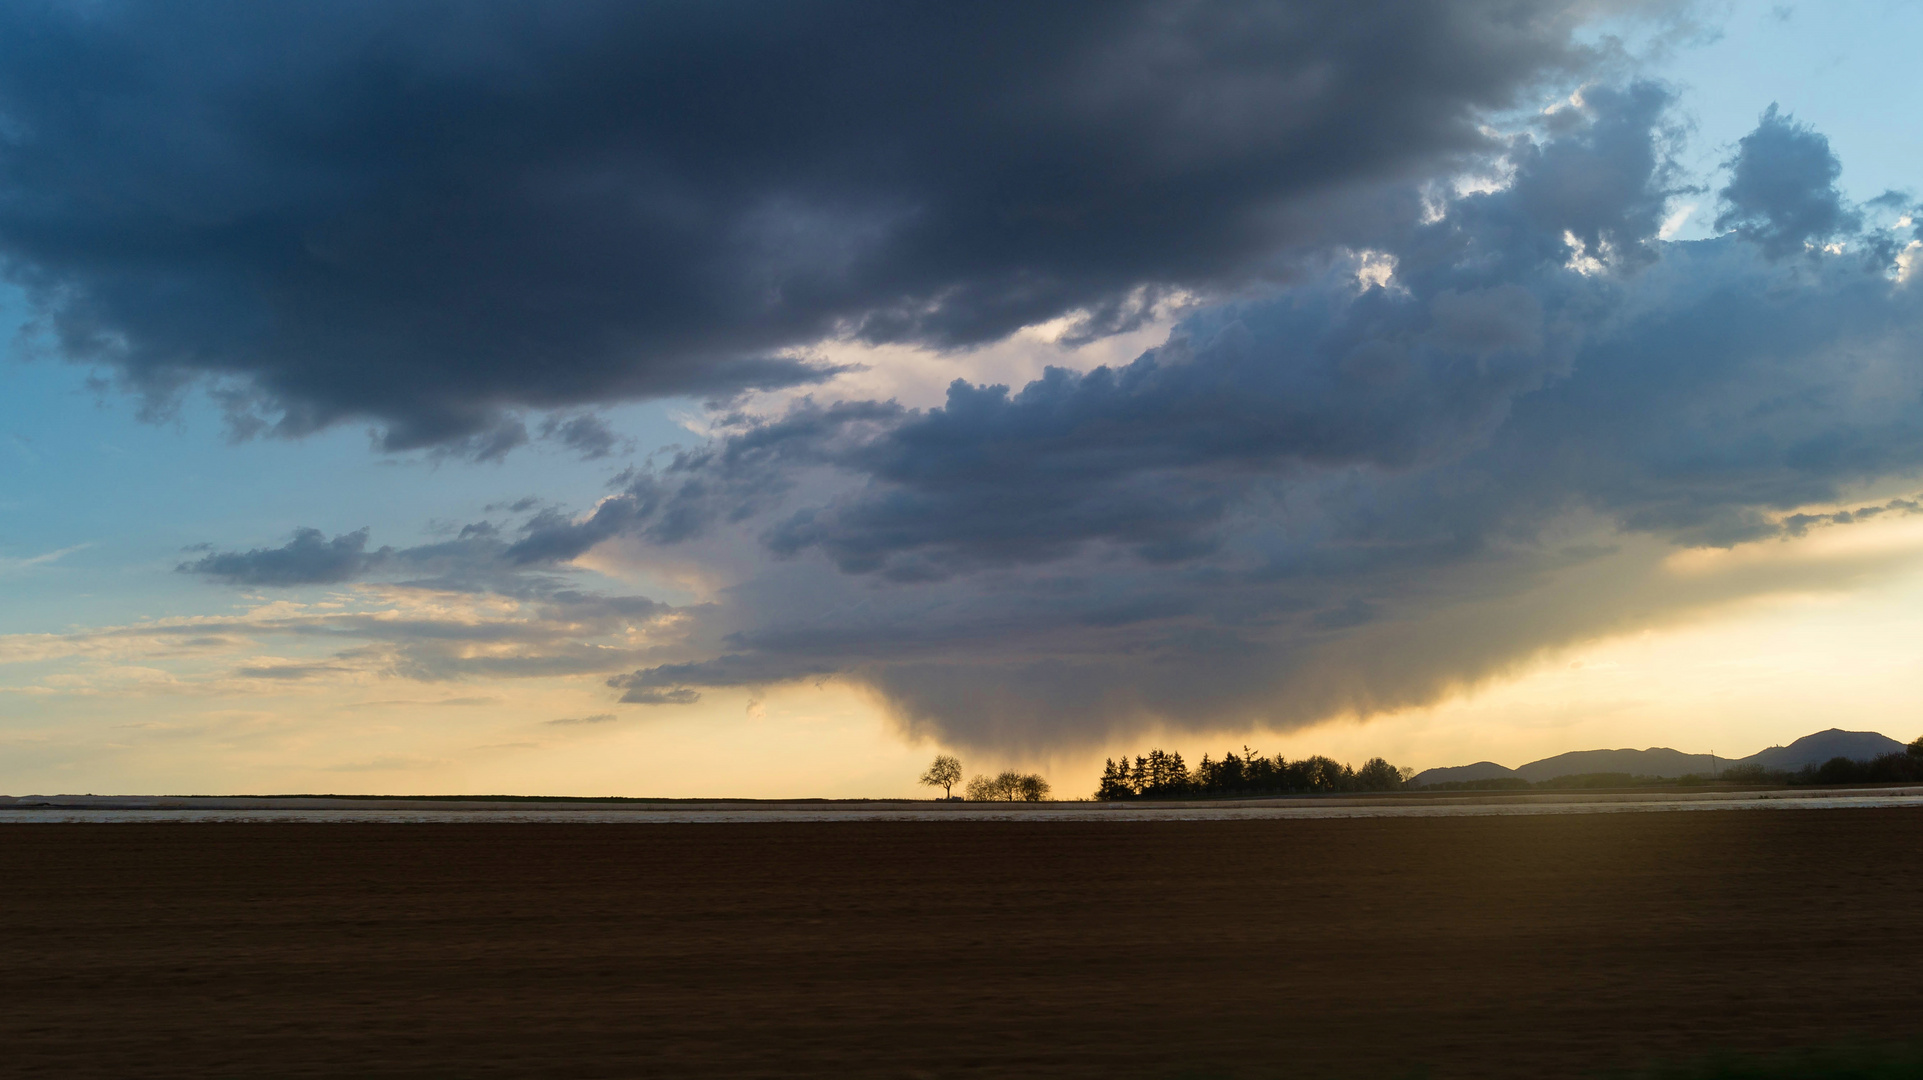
1163	774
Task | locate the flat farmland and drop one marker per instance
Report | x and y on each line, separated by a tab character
1554	945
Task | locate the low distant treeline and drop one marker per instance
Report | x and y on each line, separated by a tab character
1163	774
1575	780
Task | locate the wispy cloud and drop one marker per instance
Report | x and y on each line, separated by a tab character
362	634
12	565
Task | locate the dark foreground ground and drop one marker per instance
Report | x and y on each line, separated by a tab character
1498	947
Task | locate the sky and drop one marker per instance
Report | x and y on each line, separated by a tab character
758	399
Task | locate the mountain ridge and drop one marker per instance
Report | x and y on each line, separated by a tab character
1661	761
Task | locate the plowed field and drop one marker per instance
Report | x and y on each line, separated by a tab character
1489	947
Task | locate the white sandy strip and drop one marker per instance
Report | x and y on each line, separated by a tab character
57	809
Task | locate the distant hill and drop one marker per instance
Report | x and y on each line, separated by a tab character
1481	770
1655	761
1662	761
1824	745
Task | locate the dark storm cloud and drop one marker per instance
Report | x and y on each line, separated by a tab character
1155	455
1686	398
1413	437
1351	494
434	215
1343	497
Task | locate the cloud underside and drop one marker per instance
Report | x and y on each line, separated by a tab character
371	211
1418	432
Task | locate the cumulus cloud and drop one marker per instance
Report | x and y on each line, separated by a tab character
437	220
1782	188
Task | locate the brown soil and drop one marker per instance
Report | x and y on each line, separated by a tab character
1525	946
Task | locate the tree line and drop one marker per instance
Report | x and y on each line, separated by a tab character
1163	774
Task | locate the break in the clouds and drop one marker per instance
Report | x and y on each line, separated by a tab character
432	216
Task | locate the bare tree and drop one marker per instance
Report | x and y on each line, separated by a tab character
1008	786
945	773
